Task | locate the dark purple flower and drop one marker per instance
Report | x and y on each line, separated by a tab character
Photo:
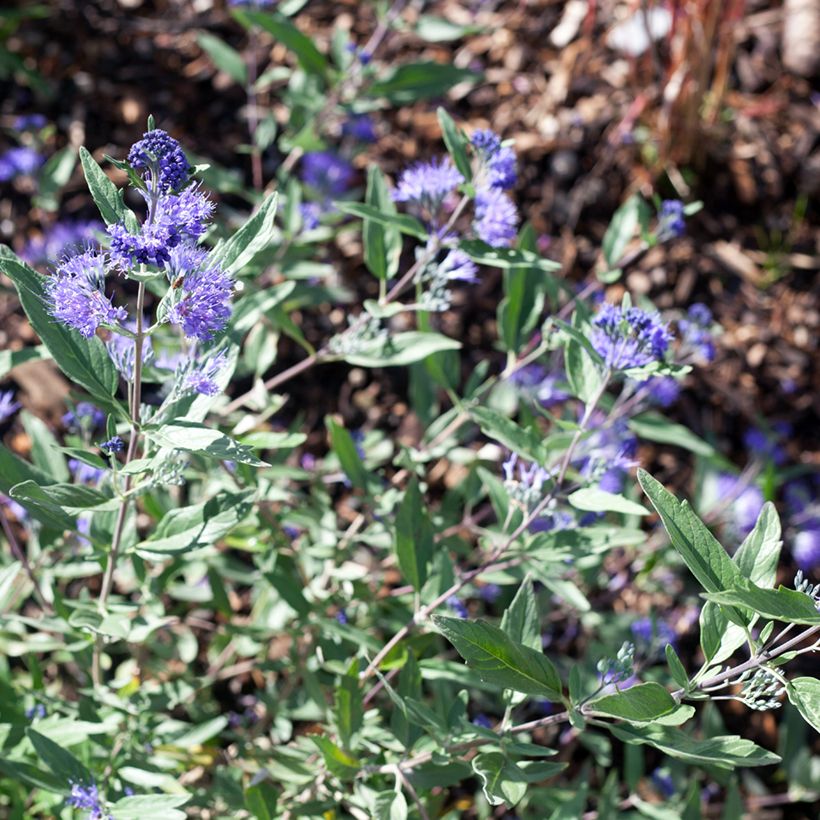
745	502
652	635
629	337
113	445
341	617
806	548
662	781
20	161
662	390
160	156
360	127
671	221
764	446
77	297
8	407
483	721
29	122
36	711
327	173
696	332
311	212
490	593
496	218
86	796
84	473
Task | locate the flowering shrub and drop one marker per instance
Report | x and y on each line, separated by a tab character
466	606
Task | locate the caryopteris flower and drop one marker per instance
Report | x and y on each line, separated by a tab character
629	337
496	218
497	161
457	266
21	161
113	445
202	378
696	332
671	221
62	238
428	183
8	407
204	306
327	173
86	796
77	297
161	160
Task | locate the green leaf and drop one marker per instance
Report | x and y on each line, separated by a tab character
54	175
500	660
150	807
518	313
199	525
390	806
196	438
583	373
676	668
485	254
701	551
500	778
781	604
417	81
456	143
400	349
342	444
655	427
310	58
804	693
593	499
414	536
338	762
382	243
107	197
260	800
433	29
225	57
254	236
61	762
719	638
84	361
725	752
621	230
646	701
45	449
757	556
9	359
520	620
349	704
62	501
527	443
404	223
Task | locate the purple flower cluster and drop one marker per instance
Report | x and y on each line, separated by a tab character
162	161
629	337
533	380
19	161
202	378
671	221
327	173
496	218
457	266
360	127
62	238
653	635
456	606
178	218
84	473
696	332
426	184
84	415
802	498
87	796
29	122
112	446
607	453
497	161
661	390
745	502
76	293
204	305
766	445
8	407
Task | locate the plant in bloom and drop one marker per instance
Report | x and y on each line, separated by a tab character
86	796
696	333
427	184
19	161
627	337
8	406
327	173
496	161
496	218
671	220
62	238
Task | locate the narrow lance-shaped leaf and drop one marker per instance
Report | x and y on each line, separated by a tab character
644	702
414	536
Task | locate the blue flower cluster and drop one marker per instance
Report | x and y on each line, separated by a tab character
8	407
162	161
427	184
629	337
84	416
19	161
671	221
87	796
696	332
61	239
76	293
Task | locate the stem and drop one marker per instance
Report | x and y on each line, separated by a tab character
465	579
119	526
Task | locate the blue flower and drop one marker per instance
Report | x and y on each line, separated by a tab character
663	782
489	593
696	332
671	221
85	473
113	445
159	155
20	161
496	218
746	502
360	127
483	721
341	617
36	711
29	122
86	796
662	390
457	266
204	304
360	54
653	634
497	161
77	297
327	173
202	379
765	446
310	213
457	607
534	381
8	407
60	239
629	337
806	548
428	183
